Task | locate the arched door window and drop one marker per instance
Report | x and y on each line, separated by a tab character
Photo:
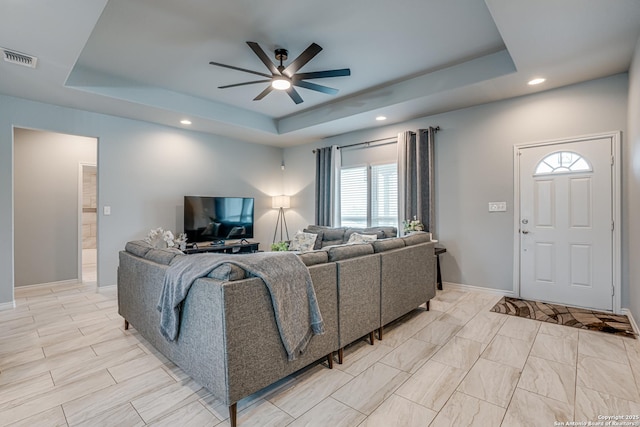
563	162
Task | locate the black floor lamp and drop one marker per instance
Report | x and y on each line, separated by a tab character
281	203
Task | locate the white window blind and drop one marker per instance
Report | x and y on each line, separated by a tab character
384	195
353	197
369	196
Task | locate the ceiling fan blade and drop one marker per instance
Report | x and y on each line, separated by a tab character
323	74
240	69
243	84
264	93
313	86
264	58
295	96
302	59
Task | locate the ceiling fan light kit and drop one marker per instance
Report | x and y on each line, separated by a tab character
281	84
284	78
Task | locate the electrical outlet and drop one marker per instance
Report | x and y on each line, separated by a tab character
497	206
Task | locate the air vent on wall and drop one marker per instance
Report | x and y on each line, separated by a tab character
19	58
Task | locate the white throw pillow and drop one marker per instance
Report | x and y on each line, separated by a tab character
302	242
362	238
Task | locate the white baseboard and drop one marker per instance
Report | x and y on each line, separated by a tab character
7	305
634	325
58	283
467	288
105	288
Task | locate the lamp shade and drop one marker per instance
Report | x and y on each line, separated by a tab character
278	202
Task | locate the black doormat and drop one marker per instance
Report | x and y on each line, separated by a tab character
568	316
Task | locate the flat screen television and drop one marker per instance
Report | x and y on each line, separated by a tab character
217	218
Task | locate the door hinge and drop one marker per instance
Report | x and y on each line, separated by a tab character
613	290
612	160
613	225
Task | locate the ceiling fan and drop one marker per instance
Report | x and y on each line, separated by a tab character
285	78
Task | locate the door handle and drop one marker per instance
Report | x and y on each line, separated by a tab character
525	232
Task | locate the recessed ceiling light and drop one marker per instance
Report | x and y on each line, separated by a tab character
185	122
281	84
536	81
381	118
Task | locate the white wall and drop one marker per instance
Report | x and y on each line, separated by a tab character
46	184
632	186
474	165
144	170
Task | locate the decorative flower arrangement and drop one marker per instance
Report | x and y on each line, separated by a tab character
280	246
412	225
159	238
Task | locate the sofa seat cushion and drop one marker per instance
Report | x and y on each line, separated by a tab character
337	253
387	244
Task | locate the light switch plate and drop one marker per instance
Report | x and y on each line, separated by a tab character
497	206
106	210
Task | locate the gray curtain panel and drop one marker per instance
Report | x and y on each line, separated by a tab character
324	170
416	177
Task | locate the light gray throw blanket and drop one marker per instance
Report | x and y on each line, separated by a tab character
287	278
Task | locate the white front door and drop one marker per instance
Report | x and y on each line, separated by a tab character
566	222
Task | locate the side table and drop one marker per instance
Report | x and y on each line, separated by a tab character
438	251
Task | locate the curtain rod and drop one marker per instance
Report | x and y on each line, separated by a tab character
435	130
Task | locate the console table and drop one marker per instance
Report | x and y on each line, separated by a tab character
227	248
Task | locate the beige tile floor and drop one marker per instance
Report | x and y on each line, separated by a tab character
65	360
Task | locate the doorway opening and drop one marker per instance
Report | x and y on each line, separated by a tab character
48	201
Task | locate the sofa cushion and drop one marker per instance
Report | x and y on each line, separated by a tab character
383	232
315	228
228	272
314	257
329	243
138	247
163	256
333	234
303	242
416	237
319	239
387	244
349	232
361	238
337	253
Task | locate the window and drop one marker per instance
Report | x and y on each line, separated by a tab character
369	196
562	162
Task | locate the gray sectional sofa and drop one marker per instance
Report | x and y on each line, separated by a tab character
229	341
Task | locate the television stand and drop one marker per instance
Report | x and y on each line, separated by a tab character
241	247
